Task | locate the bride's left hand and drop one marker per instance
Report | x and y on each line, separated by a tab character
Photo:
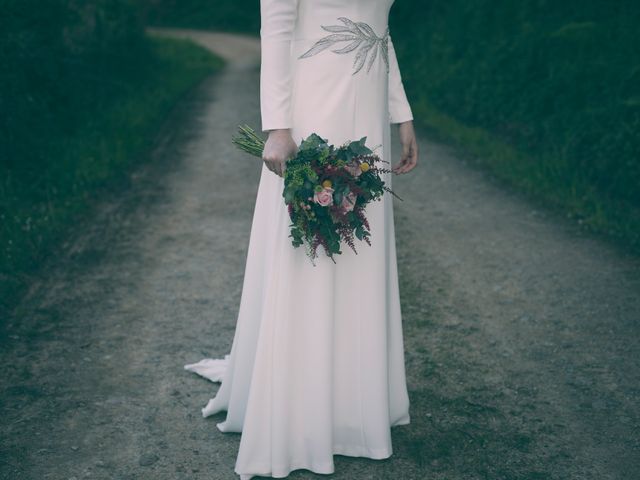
409	145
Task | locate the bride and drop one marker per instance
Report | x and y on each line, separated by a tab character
316	367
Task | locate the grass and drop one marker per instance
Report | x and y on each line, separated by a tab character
90	156
543	178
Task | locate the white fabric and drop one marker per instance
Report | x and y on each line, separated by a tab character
210	368
316	367
399	109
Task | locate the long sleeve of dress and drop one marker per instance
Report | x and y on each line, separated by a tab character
399	109
276	30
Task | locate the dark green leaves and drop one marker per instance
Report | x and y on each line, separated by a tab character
359	147
313	142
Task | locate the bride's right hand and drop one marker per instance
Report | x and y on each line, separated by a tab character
278	148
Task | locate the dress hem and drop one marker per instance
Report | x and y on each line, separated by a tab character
321	469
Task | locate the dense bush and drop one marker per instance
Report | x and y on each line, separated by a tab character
61	59
558	80
229	15
63	63
81	91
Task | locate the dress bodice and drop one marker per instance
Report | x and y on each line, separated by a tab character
314	13
330	46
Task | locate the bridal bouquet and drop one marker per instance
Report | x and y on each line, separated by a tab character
326	190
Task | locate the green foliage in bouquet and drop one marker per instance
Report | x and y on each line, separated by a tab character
326	190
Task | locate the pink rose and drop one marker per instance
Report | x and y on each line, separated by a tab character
353	168
324	197
349	201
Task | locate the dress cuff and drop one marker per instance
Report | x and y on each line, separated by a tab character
401	114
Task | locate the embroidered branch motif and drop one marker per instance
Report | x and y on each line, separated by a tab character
361	38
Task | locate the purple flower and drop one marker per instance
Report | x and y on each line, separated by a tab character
353	168
349	201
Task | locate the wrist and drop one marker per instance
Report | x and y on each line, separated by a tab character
280	131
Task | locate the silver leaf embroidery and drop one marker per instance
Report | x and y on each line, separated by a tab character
361	37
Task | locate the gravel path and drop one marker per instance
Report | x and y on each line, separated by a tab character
521	332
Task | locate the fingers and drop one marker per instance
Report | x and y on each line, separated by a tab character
267	163
409	158
278	148
409	144
400	166
274	165
278	168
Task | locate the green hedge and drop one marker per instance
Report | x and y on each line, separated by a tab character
59	58
559	81
82	89
226	15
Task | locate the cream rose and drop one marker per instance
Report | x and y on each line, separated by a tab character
324	197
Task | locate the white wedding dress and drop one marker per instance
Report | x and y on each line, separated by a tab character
317	362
